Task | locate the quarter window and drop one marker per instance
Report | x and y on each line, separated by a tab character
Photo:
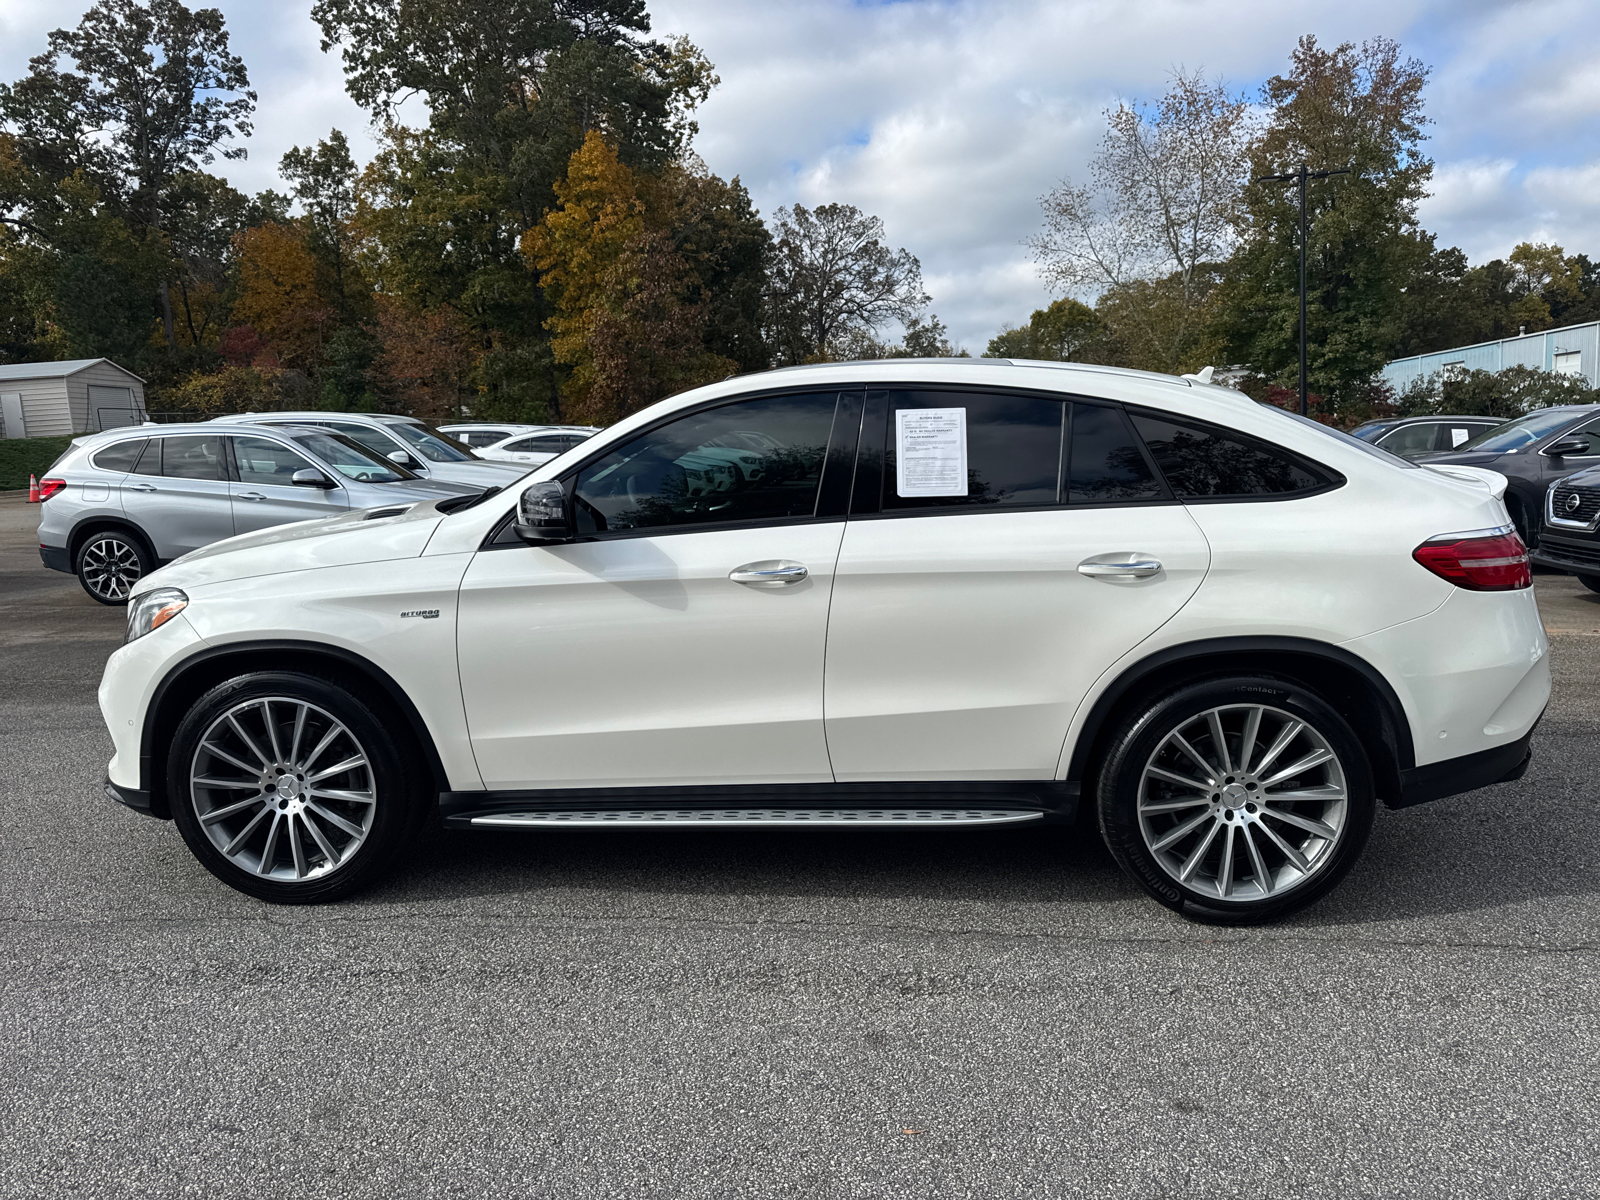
120	457
1204	462
755	460
1105	464
1011	446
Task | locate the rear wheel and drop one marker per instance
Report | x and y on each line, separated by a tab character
110	562
291	788
1236	800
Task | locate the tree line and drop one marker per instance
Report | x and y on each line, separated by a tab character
542	243
1190	262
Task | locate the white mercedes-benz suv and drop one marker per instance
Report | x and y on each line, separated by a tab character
954	594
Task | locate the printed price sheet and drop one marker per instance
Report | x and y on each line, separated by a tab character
930	452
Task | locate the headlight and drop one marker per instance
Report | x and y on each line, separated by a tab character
153	610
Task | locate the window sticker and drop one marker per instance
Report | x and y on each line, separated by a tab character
931	452
1457	436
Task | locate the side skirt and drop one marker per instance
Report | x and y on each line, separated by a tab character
813	804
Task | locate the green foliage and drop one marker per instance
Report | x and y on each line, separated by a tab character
1061	332
21	457
1507	393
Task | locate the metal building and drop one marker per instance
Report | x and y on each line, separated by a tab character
80	395
1570	350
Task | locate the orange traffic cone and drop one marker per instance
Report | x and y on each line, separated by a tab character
33	490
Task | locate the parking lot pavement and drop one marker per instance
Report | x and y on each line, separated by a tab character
727	1013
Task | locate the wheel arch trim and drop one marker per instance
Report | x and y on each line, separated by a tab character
1137	673
86	527
155	715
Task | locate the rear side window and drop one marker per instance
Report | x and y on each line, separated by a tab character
119	457
1105	464
1011	446
1203	462
192	456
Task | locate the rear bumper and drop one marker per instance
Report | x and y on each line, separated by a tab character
1453	776
56	558
132	797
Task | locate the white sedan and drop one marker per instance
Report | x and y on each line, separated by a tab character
980	594
538	447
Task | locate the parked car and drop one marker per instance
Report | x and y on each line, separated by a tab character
1531	451
479	435
1570	539
537	448
1411	436
966	596
413	444
119	504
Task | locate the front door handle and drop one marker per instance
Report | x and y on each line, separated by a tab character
769	573
1127	565
140	487
249	496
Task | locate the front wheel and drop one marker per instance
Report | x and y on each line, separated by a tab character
1592	582
1236	801
291	788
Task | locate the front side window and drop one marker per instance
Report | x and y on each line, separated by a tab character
545	444
1411	439
971	449
1206	462
379	443
119	457
430	443
191	456
754	460
351	459
1518	434
263	461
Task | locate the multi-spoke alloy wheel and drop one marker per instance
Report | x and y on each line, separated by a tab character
1236	799
295	788
109	564
1244	801
282	788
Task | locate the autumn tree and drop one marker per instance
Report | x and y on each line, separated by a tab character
1158	212
278	295
427	358
323	179
1060	332
833	279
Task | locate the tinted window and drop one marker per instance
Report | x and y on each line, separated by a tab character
351	459
261	460
192	456
1202	461
545	444
1371	433
1589	433
1013	450
757	460
369	437
120	457
1411	439
482	437
150	459
1524	431
1105	464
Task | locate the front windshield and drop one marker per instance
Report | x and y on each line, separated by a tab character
1514	435
1372	432
430	443
351	459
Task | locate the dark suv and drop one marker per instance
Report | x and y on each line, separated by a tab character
1532	452
1570	538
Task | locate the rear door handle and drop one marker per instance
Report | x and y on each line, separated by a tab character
249	496
769	573
1120	566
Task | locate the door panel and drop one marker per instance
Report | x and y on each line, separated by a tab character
959	646
178	494
637	661
263	495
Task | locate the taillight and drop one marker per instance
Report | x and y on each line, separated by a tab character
1482	560
49	487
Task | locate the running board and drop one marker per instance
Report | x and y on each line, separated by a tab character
770	817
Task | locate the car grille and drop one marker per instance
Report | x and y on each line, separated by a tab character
1588	504
1566	552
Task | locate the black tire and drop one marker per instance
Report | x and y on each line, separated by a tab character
1519	519
1134	747
110	562
1592	582
393	774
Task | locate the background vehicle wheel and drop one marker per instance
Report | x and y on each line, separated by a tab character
109	563
291	788
1236	800
1592	582
1519	519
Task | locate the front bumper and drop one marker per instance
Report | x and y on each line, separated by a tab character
56	558
1561	550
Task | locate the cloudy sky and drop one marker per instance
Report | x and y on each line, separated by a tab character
950	118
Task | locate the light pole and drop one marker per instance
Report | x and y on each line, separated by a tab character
1299	176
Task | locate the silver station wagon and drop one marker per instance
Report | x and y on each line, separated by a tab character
119	504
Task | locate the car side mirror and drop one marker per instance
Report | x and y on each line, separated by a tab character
310	478
544	514
401	457
1566	446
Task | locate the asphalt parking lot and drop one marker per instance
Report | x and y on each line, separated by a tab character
723	1013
